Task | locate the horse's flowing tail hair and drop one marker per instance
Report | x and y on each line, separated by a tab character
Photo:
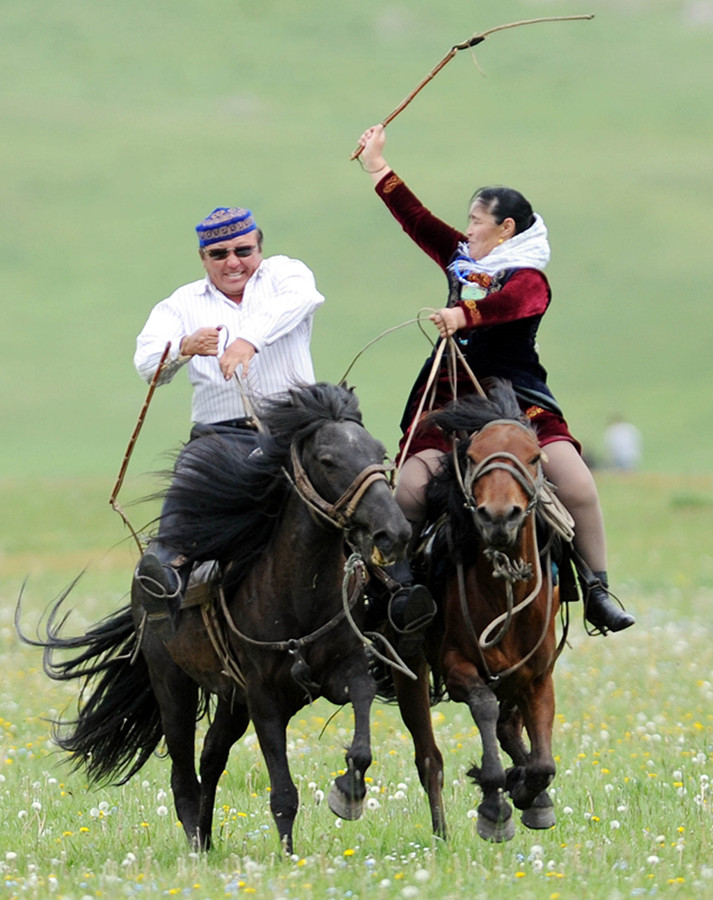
118	725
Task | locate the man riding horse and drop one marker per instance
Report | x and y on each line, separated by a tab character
243	329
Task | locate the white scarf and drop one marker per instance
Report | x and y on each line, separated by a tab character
528	250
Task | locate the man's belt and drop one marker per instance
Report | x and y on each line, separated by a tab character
245	422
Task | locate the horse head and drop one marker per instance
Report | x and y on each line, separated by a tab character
502	480
340	471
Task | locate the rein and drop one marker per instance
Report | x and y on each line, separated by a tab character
338	514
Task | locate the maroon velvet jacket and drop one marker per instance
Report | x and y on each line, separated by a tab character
500	336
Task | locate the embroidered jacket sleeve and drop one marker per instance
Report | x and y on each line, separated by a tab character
436	238
525	294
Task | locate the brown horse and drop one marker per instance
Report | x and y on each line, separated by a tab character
282	630
494	645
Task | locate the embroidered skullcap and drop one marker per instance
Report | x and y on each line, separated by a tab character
225	223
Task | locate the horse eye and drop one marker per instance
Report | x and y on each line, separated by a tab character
535	459
327	461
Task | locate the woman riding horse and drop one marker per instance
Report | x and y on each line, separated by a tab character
498	295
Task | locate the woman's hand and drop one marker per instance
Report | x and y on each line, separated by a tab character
372	155
448	320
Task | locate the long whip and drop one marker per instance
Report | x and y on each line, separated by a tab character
132	443
471	42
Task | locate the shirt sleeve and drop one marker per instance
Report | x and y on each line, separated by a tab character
291	298
525	294
435	237
164	324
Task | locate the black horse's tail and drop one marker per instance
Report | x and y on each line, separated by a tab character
118	725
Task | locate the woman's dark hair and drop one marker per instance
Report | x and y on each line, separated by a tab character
505	203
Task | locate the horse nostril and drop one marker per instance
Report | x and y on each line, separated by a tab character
515	515
391	544
484	515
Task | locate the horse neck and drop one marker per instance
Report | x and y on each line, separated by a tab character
313	546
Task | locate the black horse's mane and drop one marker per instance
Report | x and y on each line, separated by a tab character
230	501
460	420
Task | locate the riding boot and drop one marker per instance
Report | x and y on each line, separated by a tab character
159	588
599	608
411	608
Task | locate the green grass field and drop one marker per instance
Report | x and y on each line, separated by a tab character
633	742
123	125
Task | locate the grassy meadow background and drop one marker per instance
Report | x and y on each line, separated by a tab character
123	124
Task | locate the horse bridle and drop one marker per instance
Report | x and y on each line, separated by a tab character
340	512
508	462
502	567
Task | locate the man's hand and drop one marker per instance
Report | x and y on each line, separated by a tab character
203	342
237	354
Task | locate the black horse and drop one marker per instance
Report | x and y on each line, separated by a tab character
281	629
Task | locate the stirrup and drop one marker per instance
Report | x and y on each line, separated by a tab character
159	602
411	609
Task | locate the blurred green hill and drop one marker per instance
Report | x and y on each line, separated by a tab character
124	123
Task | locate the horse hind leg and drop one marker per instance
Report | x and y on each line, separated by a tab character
177	697
415	707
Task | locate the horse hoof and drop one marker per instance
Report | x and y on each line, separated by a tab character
497	832
539	817
343	806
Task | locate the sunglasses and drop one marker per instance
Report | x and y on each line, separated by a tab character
223	252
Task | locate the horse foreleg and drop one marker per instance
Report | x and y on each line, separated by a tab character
527	783
346	799
229	723
494	813
271	730
466	686
415	706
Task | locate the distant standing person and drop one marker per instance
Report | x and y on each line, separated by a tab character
622	442
250	318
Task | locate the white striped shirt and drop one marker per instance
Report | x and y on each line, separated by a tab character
275	316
